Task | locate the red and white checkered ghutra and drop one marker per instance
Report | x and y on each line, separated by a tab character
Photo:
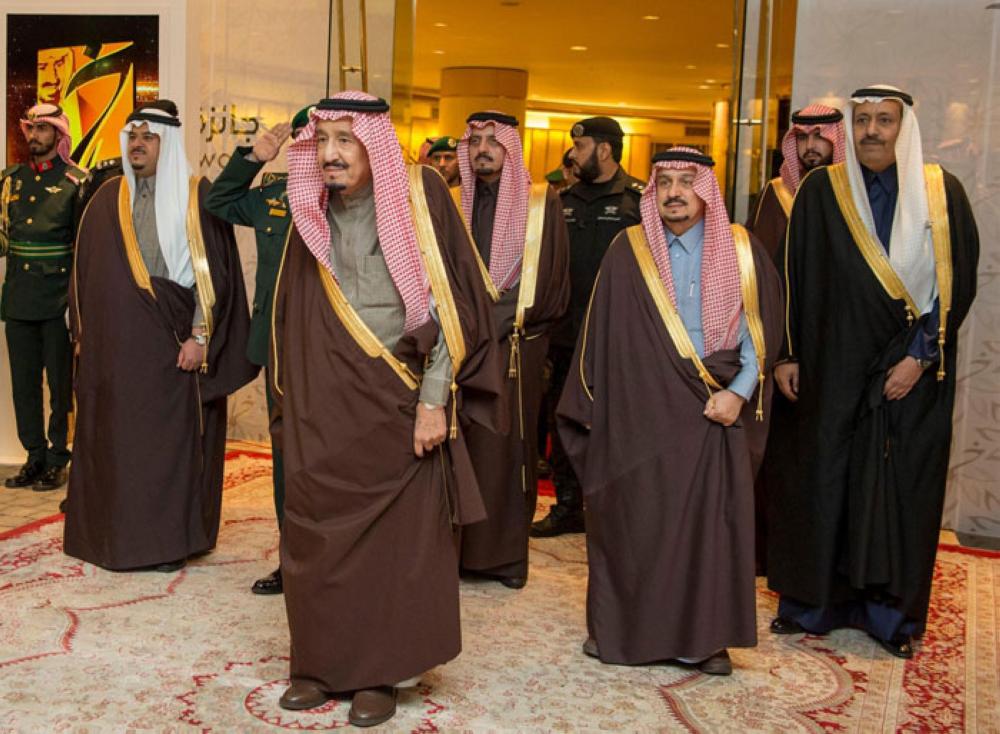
308	197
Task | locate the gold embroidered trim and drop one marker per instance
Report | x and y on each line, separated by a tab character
5	216
937	206
668	312
274	310
871	249
199	264
359	330
532	252
430	253
784	196
139	272
583	338
751	306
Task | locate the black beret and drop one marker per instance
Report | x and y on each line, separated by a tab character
604	127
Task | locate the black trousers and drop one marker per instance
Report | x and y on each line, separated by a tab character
569	496
35	347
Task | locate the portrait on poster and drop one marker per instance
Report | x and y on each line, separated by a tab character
95	67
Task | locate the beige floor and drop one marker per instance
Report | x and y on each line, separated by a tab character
21	506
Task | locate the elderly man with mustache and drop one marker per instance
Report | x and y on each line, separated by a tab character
880	265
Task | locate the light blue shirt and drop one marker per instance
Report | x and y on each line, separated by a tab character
685	265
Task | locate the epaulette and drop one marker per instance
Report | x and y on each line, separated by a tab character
10	170
108	163
273	177
637	186
77	174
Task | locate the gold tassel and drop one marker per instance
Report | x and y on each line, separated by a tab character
760	396
514	348
940	372
453	434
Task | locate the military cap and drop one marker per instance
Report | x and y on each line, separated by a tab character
443	145
603	127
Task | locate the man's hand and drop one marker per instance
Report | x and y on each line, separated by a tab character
901	378
724	407
270	141
191	356
429	429
786	375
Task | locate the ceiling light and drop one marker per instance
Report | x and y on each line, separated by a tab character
577	48
439	52
690	66
722	45
440	25
710	81
650	17
703	86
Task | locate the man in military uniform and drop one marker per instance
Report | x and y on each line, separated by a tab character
604	201
443	155
265	208
41	203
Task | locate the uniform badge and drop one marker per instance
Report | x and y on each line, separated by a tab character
273	202
611	210
278	212
567	211
577	131
17	184
53	189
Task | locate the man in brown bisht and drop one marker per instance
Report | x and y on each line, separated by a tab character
660	421
382	337
160	321
816	138
521	239
881	271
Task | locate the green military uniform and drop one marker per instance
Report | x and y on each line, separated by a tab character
265	208
41	207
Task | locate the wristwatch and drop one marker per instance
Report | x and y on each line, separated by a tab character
200	339
924	363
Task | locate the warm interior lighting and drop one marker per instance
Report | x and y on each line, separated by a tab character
722	45
577	48
650	17
440	25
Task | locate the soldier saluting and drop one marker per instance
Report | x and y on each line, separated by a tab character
41	203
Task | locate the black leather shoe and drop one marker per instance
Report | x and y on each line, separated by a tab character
26	476
718	664
555	524
302	695
901	646
52	478
170	566
373	706
590	648
782	626
514	582
270	584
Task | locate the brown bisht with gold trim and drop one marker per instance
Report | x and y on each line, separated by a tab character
668	493
506	461
367	545
146	482
770	217
857	482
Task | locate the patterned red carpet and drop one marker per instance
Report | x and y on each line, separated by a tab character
83	649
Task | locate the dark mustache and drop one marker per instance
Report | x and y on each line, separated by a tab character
871	139
674	200
485	157
335	164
